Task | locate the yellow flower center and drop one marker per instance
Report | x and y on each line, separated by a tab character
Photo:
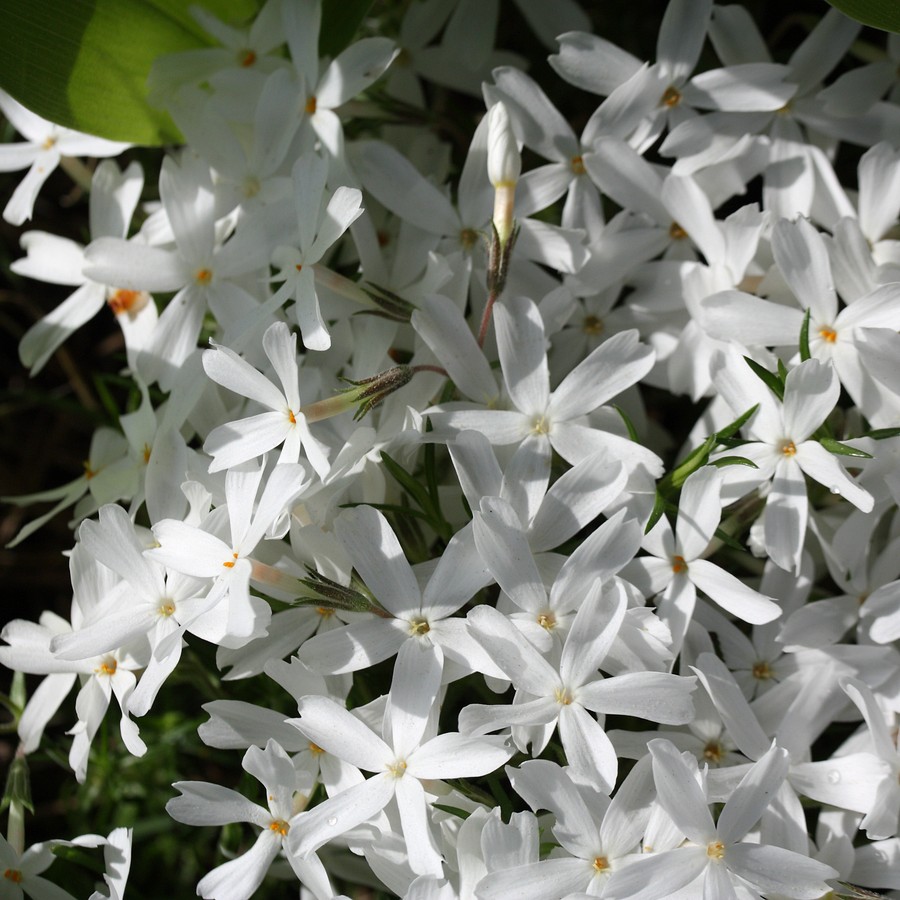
563	696
676	232
229	564
247	58
593	325
315	749
547	621
419	626
712	752
679	565
761	670
468	238
310	106
601	863
398	769
540	426
13	875
107	667
788	448
828	334
166	608
578	165
715	850
203	276
671	97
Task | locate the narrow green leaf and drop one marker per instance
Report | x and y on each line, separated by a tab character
729	431
693	461
723	461
804	337
883	14
84	63
407	482
659	507
836	447
729	541
882	434
632	431
782	371
772	382
390	508
453	810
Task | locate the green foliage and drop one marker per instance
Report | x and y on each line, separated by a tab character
883	14
84	63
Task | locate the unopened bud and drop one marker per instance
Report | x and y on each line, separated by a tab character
504	167
504	162
332	595
363	396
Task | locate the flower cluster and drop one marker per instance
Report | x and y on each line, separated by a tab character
403	427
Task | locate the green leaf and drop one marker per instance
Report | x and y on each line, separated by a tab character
782	371
723	461
84	63
729	431
340	21
18	786
804	337
408	483
833	446
696	459
659	507
632	431
882	434
729	541
772	382
395	508
453	810
883	14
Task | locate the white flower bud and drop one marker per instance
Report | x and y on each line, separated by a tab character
504	162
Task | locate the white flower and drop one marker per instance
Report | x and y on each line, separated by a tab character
715	854
783	450
237	442
46	145
402	760
677	567
208	804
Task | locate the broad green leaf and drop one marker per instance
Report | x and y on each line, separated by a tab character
340	21
84	63
883	14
